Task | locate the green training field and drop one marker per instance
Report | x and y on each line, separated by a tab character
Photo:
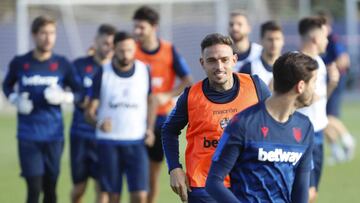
339	183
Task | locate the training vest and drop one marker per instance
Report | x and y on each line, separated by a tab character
255	52
162	71
207	121
257	68
124	101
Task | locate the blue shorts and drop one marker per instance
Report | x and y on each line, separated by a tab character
334	102
199	195
40	158
116	160
318	157
84	158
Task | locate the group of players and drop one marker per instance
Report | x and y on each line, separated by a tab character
124	121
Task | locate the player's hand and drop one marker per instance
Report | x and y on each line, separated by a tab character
105	125
22	102
162	98
333	74
55	95
179	183
150	138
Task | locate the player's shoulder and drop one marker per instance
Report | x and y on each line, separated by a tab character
301	119
256	46
60	58
166	43
82	60
22	57
250	112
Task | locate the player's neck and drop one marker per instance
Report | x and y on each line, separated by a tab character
222	87
99	60
41	55
122	67
243	45
268	58
150	44
280	107
309	49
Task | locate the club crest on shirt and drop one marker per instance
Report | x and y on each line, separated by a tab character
297	134
264	131
224	122
54	66
26	66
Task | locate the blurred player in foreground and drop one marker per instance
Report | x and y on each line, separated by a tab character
267	148
207	107
165	65
122	110
41	76
83	154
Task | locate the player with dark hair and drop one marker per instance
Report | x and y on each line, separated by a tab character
267	148
83	153
239	30
41	76
206	107
272	40
313	33
165	65
123	111
336	130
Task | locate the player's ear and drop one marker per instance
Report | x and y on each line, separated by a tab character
300	87
201	60
235	57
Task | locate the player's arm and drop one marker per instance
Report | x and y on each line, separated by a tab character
182	70
300	190
10	79
151	116
171	130
262	89
72	80
333	78
223	161
342	57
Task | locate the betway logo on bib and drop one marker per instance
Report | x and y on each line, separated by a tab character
37	80
278	155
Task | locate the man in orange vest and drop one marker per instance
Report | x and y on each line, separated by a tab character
165	65
207	107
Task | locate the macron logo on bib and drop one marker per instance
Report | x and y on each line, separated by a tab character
278	155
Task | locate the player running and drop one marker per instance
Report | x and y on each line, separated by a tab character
83	152
313	33
267	148
123	111
239	30
207	107
272	40
165	65
41	76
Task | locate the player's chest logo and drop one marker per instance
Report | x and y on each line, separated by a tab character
54	66
26	66
297	134
224	122
264	131
89	69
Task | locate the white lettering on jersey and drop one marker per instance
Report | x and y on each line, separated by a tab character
278	155
38	80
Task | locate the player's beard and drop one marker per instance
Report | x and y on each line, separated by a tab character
237	37
304	100
123	62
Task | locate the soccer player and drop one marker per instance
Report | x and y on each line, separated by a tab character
267	148
272	40
83	143
165	65
123	112
206	107
336	54
313	34
239	30
40	76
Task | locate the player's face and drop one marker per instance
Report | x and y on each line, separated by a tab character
218	62
273	42
104	46
45	38
238	27
307	97
143	30
321	39
125	52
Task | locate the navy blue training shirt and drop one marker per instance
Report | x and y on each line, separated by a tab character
268	161
86	68
334	49
44	123
178	118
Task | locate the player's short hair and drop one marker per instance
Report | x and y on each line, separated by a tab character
269	26
106	29
40	22
308	24
239	13
214	39
291	68
148	14
121	36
